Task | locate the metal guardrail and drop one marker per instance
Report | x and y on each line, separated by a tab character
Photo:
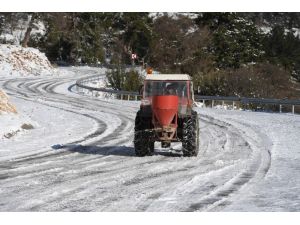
250	100
128	95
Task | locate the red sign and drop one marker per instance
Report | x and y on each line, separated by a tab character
133	56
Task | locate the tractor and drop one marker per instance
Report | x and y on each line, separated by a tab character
166	115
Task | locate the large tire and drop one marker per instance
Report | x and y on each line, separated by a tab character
143	144
190	136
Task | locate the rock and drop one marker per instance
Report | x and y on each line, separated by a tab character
27	126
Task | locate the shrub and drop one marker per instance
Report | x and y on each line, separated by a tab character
262	80
119	79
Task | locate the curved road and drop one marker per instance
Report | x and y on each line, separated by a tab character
100	172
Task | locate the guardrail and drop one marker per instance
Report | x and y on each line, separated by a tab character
257	103
123	95
245	103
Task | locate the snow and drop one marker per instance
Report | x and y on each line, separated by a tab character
19	61
266	29
279	189
49	128
296	32
14	34
9	120
11	125
80	156
39	29
191	30
8	38
173	15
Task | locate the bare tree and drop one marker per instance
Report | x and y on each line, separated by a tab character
29	29
179	45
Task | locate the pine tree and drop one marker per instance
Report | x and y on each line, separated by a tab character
283	47
235	42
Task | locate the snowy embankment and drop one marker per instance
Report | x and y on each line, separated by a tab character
11	122
51	122
19	61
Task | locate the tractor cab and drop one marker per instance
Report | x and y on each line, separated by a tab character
169	84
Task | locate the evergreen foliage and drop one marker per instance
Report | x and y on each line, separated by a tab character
120	79
235	41
216	49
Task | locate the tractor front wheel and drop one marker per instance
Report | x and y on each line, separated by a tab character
142	139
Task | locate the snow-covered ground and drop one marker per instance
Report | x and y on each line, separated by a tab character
80	156
11	125
15	62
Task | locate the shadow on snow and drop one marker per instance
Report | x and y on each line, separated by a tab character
109	150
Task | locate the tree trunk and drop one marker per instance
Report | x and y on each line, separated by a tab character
28	31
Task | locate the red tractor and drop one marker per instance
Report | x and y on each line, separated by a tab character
166	115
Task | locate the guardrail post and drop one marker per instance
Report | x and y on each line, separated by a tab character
280	108
232	104
223	104
203	102
135	98
128	98
212	103
293	109
121	96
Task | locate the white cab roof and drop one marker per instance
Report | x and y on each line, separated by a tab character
168	77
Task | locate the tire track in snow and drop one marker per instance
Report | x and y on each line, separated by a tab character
103	173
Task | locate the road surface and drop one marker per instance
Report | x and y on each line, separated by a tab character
80	157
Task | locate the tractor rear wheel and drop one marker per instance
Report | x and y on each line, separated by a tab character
190	135
142	139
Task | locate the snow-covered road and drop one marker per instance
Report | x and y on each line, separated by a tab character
80	157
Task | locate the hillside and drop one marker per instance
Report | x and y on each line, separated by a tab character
227	54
